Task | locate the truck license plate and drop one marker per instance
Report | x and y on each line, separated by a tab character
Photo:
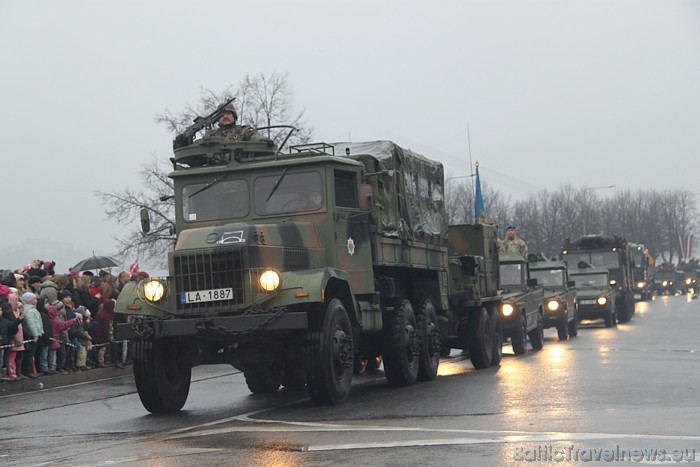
211	295
587	302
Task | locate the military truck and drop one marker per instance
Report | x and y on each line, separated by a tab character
643	271
472	321
611	253
290	292
522	310
559	296
595	295
666	282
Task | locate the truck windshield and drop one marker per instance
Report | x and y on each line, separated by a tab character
295	192
599	259
591	280
549	277
222	200
511	274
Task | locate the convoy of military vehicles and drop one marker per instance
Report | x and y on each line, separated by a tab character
294	293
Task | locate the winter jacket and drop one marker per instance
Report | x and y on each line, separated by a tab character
19	335
46	321
49	290
32	320
8	328
56	328
103	320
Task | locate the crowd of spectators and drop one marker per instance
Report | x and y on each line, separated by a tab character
57	323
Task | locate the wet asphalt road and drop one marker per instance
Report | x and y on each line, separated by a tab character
634	387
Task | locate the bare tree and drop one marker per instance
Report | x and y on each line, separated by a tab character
260	101
124	206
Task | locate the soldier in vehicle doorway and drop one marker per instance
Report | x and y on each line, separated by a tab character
229	130
512	243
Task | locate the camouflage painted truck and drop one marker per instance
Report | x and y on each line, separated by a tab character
522	311
288	291
609	252
472	321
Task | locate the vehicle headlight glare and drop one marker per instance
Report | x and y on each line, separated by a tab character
602	300
640	285
269	280
688	281
664	283
613	282
507	309
154	290
552	305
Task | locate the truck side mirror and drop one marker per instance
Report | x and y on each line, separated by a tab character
145	221
571	283
532	282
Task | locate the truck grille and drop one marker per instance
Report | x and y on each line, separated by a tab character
209	269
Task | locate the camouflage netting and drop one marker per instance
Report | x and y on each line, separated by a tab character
410	201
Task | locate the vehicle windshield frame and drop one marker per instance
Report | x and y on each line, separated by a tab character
543	274
598	283
511	270
204	201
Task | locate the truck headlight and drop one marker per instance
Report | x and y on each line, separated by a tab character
154	290
640	285
602	301
613	282
664	283
269	280
688	281
552	305
507	309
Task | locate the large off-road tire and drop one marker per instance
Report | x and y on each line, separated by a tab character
519	338
429	358
328	354
402	345
609	319
264	380
497	327
573	325
537	335
623	315
562	327
161	374
480	335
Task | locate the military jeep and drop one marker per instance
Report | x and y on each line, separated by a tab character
522	310
596	294
560	297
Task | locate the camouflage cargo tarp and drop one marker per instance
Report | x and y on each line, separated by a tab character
411	199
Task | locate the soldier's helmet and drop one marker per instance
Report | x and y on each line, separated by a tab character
232	109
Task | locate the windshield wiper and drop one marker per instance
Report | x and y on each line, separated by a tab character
277	184
209	185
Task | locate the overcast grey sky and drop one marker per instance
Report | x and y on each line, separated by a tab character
587	92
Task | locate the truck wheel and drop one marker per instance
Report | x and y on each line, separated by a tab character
402	345
609	319
429	358
624	315
537	334
480	336
328	354
161	375
264	380
497	327
519	337
562	328
573	325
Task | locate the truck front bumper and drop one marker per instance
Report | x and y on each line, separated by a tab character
179	327
592	312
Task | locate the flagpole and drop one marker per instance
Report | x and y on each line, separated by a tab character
471	170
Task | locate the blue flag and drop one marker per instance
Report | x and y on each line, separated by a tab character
479	209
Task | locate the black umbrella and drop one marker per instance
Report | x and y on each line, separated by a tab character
95	262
